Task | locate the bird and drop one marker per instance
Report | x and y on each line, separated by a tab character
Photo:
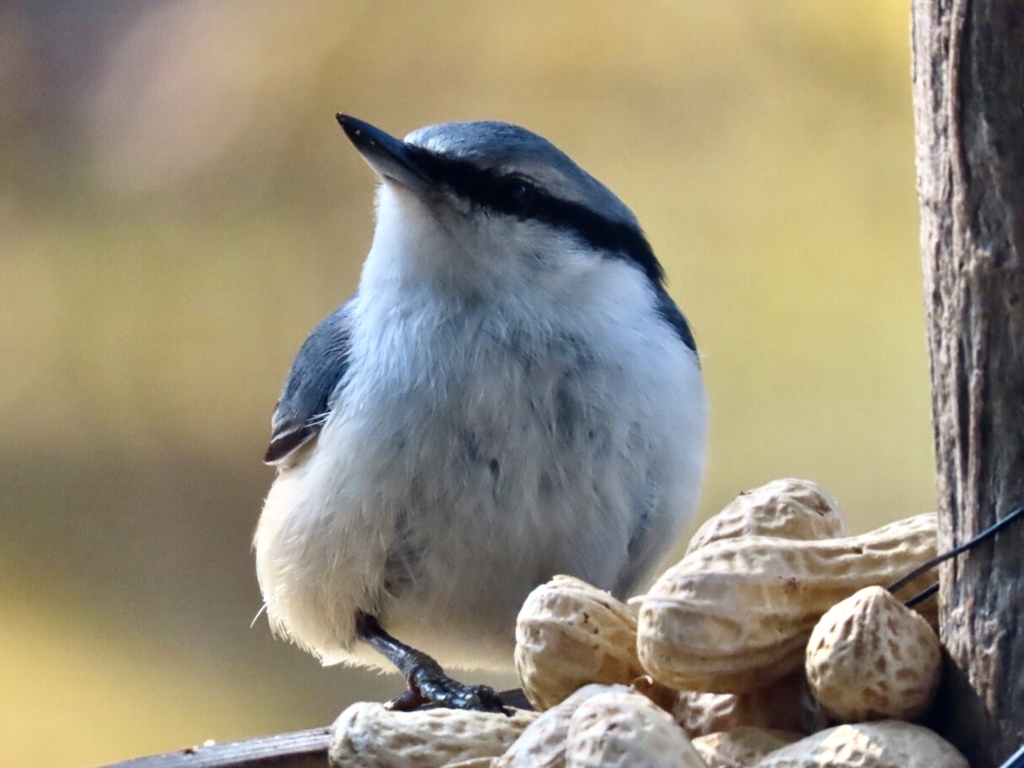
509	394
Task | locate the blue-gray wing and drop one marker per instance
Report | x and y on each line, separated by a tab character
674	317
311	387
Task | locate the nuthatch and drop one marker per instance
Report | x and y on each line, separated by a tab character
509	395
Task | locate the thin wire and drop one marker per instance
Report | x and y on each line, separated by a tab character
1016	760
923	595
986	534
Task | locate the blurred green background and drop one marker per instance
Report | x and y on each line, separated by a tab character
178	208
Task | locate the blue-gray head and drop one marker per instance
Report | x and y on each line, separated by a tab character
529	191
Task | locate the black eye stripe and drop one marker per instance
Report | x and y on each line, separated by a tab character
516	196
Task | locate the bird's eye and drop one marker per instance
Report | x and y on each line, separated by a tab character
520	196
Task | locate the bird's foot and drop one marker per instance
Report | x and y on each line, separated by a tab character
430	686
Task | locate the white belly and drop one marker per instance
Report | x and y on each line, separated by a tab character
437	499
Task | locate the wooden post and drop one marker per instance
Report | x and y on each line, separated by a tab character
969	111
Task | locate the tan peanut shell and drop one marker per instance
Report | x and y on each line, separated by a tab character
788	508
625	730
570	634
366	735
741	747
883	744
872	658
781	705
543	742
736	614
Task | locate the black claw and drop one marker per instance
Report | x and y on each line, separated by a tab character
408	701
516	698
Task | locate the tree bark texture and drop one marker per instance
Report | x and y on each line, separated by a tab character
969	111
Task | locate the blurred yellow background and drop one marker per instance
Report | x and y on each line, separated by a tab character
178	208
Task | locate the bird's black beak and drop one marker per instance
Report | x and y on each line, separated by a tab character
390	158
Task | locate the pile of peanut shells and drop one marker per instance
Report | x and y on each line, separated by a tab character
772	643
